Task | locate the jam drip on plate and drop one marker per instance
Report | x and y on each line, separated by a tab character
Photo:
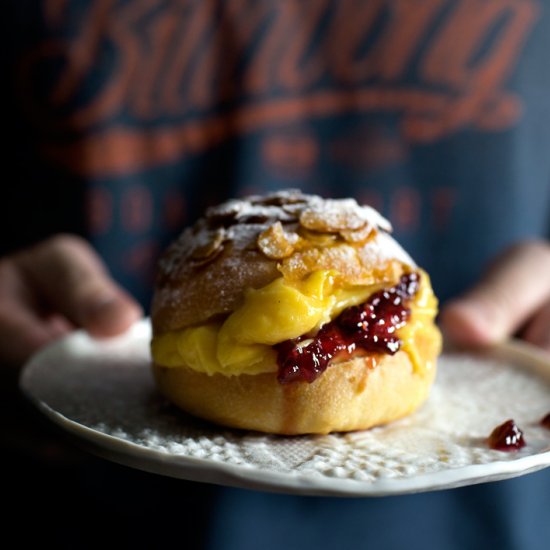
506	437
371	326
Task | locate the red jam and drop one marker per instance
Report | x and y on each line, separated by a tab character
546	421
506	437
371	326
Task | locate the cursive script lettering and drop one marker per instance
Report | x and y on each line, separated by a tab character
154	80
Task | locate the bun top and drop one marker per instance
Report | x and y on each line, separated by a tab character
247	243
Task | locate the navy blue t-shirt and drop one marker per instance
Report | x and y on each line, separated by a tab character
129	117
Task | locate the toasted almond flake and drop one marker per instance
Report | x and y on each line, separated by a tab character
208	242
225	212
345	260
333	216
276	243
318	239
280	198
359	236
199	262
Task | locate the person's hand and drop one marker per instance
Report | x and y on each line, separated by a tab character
513	298
52	288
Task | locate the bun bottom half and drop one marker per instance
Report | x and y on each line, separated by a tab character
355	394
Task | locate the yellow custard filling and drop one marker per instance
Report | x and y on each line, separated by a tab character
282	310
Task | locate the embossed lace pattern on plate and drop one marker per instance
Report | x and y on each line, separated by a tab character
108	388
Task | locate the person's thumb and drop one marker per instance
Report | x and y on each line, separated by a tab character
69	277
514	289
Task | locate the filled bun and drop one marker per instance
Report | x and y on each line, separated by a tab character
292	314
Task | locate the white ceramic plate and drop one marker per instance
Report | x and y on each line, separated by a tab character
103	393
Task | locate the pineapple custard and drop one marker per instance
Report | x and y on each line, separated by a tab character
293	314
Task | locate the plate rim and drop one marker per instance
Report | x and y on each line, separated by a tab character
206	470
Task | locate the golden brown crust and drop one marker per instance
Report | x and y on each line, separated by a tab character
194	294
248	243
349	396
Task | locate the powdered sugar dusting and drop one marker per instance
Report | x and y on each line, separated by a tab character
383	248
341	215
276	243
278	206
247	243
277	216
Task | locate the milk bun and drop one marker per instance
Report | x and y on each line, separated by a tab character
292	314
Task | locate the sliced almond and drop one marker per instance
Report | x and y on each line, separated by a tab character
318	239
280	198
359	236
276	243
224	214
333	216
207	243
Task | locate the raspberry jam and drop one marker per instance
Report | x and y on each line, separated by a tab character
546	421
371	326
506	437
